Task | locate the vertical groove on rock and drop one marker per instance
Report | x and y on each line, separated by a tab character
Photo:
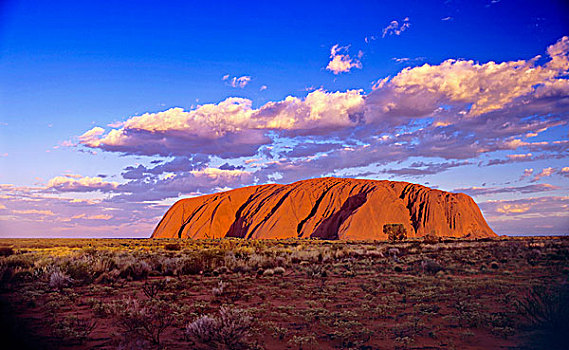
313	211
329	227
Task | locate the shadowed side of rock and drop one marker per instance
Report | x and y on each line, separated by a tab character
326	208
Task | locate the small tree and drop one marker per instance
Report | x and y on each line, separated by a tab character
395	232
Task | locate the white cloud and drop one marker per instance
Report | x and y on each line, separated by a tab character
341	62
237	82
394	28
527	173
77	183
546	172
230	128
34	212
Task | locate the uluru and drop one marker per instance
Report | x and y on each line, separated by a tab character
325	208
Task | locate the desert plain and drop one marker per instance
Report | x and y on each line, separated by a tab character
424	293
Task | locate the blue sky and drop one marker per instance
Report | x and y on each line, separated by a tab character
291	91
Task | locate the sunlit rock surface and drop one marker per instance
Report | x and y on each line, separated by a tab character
327	208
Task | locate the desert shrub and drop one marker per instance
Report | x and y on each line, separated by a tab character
350	333
166	266
152	288
23	261
6	251
80	270
204	329
230	329
21	275
191	266
395	232
218	291
58	279
133	268
144	319
469	314
73	329
211	258
431	238
431	266
172	246
108	277
301	341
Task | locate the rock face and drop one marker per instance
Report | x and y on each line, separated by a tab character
326	208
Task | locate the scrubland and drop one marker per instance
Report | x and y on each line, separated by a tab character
509	293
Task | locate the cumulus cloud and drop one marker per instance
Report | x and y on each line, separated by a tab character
396	28
231	128
341	62
225	129
546	172
527	173
77	183
473	87
237	82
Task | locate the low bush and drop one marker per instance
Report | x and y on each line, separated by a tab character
6	251
431	267
133	268
229	329
144	319
152	288
59	280
73	330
